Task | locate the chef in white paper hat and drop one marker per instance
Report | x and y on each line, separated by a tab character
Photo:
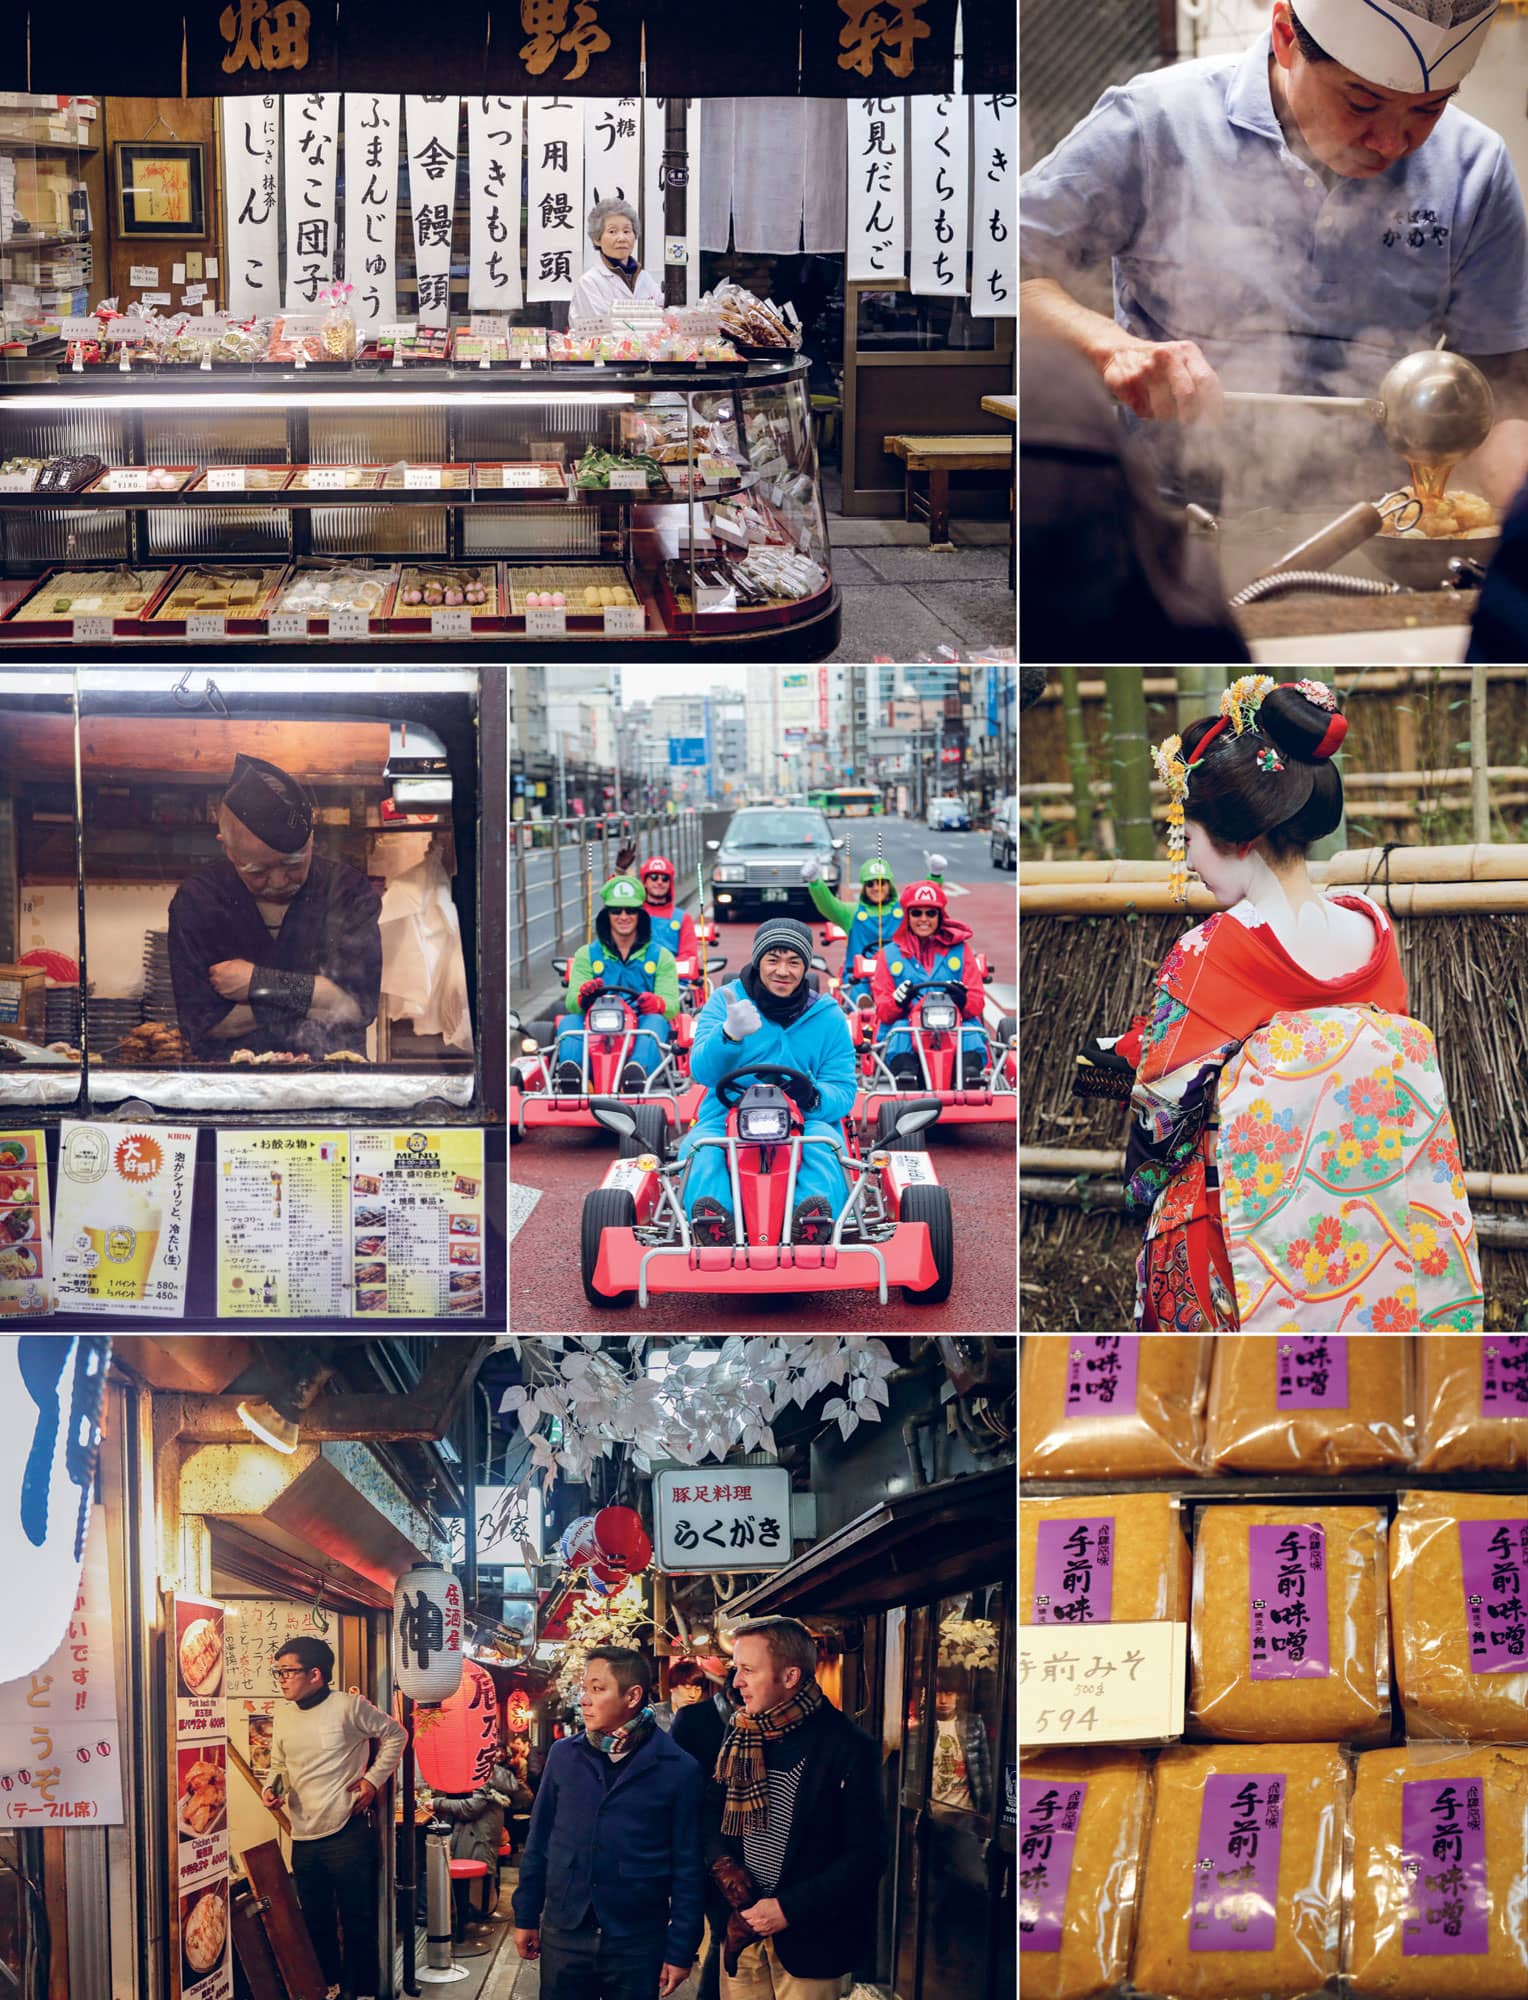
1296	218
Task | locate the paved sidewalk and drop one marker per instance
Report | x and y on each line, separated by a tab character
901	598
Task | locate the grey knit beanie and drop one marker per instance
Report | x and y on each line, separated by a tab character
782	934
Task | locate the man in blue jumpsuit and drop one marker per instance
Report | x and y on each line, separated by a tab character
1294	219
770	1015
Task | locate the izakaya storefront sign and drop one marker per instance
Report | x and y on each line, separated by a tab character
60	1753
252	240
723	1520
201	1951
371	208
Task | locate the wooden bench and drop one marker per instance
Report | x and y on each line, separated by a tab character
939	457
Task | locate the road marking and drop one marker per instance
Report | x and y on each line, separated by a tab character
521	1201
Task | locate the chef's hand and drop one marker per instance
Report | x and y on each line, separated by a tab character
528	1943
231	976
1164	379
368	1792
671	1978
765	1917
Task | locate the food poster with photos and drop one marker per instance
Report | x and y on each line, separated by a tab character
283	1215
121	1241
24	1233
416	1213
199	1773
60	1751
255	1630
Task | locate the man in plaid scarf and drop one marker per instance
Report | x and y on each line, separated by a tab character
802	1842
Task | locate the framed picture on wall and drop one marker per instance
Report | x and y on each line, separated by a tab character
161	188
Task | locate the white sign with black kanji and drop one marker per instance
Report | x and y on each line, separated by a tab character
723	1518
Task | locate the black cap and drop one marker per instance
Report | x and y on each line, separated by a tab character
274	805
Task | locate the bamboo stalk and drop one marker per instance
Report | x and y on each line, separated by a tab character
1100	1160
1481	811
1353	808
1402	899
1077	757
1398	781
1130	765
1387	681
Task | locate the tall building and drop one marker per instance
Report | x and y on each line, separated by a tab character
581	706
527	711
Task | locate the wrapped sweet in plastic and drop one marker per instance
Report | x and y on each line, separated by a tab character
1121	1560
1458	1585
1243	1892
1309	1403
1290	1633
1082	1821
1112	1406
1472	1402
1440	1876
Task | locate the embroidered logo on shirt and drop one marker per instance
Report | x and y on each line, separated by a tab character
1414	229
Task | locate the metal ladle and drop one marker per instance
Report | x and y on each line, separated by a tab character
1434	407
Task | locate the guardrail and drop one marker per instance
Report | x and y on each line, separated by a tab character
551	887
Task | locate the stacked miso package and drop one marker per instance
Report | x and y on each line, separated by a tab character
1342	1522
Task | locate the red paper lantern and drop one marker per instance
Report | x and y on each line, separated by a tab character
623	1544
517	1713
456	1743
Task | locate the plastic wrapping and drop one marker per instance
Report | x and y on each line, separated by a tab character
1217	1868
1453	1638
1467	1390
1112	1406
1399	1943
1139	1574
1075	1935
1309	1403
1309	1661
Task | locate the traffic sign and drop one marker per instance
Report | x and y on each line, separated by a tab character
687	750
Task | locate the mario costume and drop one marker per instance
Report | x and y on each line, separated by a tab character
910	964
673	929
644	976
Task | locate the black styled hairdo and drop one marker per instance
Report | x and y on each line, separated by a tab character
1235	802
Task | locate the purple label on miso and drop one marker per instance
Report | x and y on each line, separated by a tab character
1504	1375
1074	1571
1287	1636
1313	1373
1236	1870
1494	1558
1048	1817
1100	1375
1443	1865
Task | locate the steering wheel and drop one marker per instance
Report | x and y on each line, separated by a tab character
729	1092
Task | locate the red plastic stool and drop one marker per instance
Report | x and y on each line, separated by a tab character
462	1873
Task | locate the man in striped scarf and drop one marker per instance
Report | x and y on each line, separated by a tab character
802	1841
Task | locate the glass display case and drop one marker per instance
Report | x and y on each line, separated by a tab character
249	921
392	504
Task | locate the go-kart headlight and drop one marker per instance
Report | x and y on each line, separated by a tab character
764	1124
729	871
938	1014
607	1020
529	1046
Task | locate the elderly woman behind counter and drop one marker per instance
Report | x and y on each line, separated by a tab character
615	275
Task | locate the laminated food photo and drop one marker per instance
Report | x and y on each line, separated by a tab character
1273	1667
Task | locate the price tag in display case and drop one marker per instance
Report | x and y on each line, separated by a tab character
288	625
16	482
1101	1684
86	328
92	631
225	479
712	597
628	479
521	475
326	478
454	621
128	479
624	621
421	477
545	622
206	625
349	624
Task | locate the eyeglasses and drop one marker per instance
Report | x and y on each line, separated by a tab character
286	1673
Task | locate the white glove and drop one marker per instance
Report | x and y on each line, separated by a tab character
740	1020
813	871
936	863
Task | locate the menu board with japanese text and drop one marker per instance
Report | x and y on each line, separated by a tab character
417	1222
24	1234
283	1221
122	1237
60	1755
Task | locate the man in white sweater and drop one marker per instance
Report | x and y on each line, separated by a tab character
323	1773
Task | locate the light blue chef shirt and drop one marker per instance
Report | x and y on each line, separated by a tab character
1219	234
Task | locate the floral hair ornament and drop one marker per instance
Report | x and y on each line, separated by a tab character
1173	772
1238	708
1269	760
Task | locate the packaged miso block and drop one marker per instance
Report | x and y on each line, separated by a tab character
1308	1403
1118	1560
1289	1632
1112	1406
1243	1895
1440	1876
1082	1822
1458	1586
1472	1402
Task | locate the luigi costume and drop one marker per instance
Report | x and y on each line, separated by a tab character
643	974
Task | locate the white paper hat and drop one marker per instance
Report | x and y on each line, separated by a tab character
1411	45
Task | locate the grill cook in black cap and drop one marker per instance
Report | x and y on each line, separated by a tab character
271	803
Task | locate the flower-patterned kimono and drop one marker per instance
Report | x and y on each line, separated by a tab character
1291	1148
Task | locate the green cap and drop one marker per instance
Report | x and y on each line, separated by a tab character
621	892
877	871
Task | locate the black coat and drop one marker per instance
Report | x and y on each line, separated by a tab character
835	1855
700	1729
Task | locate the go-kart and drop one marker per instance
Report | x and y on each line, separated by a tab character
695	979
895	1227
612	1032
935	1025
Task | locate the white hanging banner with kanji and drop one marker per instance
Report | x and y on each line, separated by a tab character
941	177
430	125
493	178
658	248
556	248
371	207
252	228
994	270
613	156
877	206
310	133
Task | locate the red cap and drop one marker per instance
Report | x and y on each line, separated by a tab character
657	864
924	896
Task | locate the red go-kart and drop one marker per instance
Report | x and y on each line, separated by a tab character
606	1043
895	1227
935	1025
